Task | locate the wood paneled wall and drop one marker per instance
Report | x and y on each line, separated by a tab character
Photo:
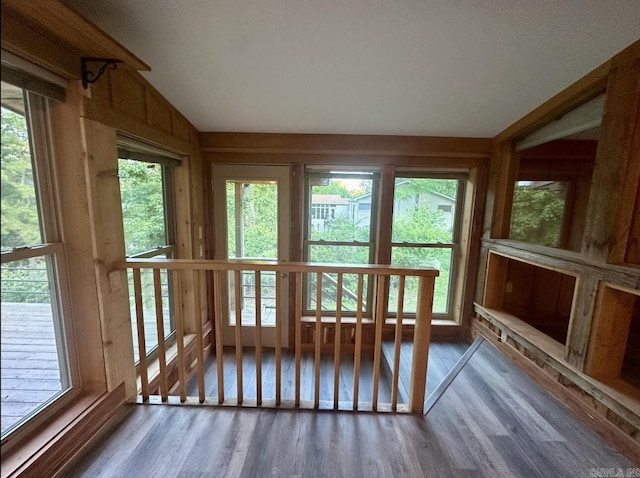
84	130
605	254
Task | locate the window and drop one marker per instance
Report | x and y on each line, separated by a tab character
146	190
339	231
37	364
538	212
425	233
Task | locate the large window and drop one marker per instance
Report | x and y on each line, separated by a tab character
425	233
37	363
340	228
149	232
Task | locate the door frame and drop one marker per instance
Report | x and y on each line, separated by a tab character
220	173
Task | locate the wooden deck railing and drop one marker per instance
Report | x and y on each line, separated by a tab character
193	272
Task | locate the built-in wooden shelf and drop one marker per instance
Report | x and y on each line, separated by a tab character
614	348
539	296
549	355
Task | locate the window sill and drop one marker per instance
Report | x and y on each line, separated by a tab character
46	451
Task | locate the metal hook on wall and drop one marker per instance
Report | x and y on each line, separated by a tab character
91	77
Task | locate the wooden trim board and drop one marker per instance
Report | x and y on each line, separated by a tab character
453	373
59	442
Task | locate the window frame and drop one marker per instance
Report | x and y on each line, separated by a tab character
52	249
169	249
307	242
454	245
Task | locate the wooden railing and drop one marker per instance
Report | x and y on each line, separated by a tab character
190	277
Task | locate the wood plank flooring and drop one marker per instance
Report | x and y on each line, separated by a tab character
30	375
492	421
442	357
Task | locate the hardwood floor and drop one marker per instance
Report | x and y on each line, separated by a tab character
442	357
491	421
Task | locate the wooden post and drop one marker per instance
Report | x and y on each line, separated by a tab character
197	307
278	339
379	319
298	328
179	334
258	344
358	349
142	347
218	318
610	191
397	344
162	358
238	333
421	339
318	340
337	339
507	161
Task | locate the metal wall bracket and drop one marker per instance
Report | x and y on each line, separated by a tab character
91	77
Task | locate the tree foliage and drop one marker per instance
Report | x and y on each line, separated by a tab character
143	209
258	213
20	220
537	215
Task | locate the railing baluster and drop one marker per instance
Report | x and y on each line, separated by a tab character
258	344
278	339
197	306
177	296
218	318
162	358
142	347
397	343
298	332
318	341
229	299
379	319
238	333
421	337
358	349
337	339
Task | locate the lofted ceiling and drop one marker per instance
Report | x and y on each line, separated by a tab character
405	67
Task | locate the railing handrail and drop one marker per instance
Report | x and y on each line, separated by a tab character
315	338
277	266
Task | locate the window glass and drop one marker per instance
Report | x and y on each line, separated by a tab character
143	205
20	216
34	365
423	210
424	234
437	258
148	223
538	212
252	233
252	226
34	360
340	221
340	209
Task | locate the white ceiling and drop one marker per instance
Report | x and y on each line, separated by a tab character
421	67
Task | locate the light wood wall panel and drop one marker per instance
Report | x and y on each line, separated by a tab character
158	113
337	144
613	160
77	220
